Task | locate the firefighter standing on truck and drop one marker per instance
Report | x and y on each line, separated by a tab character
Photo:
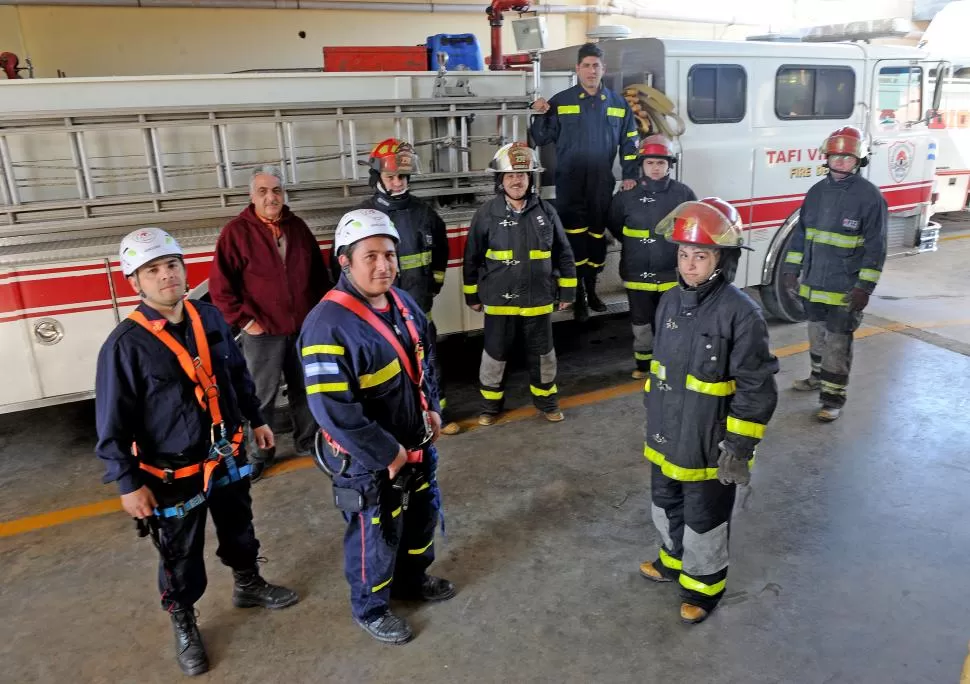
517	265
423	248
374	394
710	394
172	382
587	123
839	247
648	263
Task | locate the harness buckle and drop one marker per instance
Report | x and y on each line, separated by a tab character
168	476
180	510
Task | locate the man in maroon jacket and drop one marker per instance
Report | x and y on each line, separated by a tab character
266	275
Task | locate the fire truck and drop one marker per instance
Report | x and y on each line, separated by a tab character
85	160
952	130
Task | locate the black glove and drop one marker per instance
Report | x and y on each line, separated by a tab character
732	468
789	280
858	299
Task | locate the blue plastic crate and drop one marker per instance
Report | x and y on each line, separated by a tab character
462	50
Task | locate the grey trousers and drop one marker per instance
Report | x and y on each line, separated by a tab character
830	336
269	358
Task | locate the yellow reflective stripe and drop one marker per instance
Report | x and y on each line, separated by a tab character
716	389
377	519
568	282
595	235
418	552
499	254
825	237
443	402
409	261
439	277
640	356
539	254
594	264
426	485
381	376
700	587
518	310
745	428
629	157
327	387
470	289
616	111
635	232
541	392
646	385
676	472
870	275
658	369
577	231
323	349
631	134
649	287
582	262
794	258
493	396
821	296
381	585
669	561
567	109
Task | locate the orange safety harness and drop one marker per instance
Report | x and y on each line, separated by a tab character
416	375
199	371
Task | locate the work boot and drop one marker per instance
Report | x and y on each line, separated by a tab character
809	384
692	614
580	310
638	374
252	591
649	570
450	428
554	416
388	628
259	468
487	419
827	414
189	649
431	589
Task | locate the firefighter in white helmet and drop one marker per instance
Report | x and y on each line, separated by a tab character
374	393
518	265
172	382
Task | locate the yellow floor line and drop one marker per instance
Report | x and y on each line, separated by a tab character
68	515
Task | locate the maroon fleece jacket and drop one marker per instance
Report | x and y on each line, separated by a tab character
249	281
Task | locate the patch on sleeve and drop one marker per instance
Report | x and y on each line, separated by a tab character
312	370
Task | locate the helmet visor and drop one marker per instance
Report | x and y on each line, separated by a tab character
697	223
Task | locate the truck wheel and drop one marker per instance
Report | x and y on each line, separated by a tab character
777	300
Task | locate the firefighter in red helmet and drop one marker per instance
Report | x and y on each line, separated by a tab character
648	263
838	248
423	249
710	393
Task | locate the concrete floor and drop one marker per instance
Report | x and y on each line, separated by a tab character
849	559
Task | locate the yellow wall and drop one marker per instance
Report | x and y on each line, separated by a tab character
116	41
10	39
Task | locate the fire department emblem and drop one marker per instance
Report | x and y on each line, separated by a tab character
901	159
143	236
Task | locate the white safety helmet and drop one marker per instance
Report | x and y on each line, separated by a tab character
363	223
514	158
146	244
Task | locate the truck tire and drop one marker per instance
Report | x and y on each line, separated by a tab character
777	300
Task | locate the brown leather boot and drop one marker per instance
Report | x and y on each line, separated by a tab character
649	570
692	614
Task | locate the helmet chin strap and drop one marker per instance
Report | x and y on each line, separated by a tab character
380	186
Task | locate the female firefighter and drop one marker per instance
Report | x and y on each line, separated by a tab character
710	393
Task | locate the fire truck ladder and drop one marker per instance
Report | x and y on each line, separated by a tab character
101	171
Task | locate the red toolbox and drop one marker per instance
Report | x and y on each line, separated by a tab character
367	58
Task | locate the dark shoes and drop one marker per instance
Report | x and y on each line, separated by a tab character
259	469
431	589
595	303
189	650
388	628
252	591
